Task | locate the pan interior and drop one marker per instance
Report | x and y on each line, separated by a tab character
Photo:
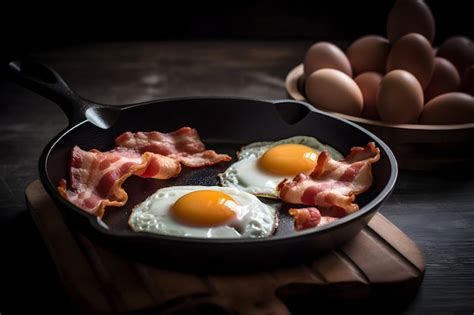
225	125
139	189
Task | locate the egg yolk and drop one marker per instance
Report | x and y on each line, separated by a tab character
204	208
289	159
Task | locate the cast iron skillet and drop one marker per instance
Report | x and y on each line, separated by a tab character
224	124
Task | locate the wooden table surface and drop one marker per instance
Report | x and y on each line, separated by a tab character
435	209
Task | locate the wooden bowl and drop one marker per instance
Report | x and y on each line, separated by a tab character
417	147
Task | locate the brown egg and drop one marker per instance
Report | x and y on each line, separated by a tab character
399	97
326	55
467	83
368	83
459	50
333	90
368	53
414	54
445	79
449	108
410	16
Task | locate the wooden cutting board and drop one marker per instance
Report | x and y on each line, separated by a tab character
381	265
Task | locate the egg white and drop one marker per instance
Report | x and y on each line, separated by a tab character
253	218
246	175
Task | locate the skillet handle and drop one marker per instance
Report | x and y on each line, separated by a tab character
48	83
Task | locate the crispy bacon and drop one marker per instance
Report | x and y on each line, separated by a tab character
306	218
333	183
96	177
183	145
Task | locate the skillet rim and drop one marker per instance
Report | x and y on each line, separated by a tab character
94	222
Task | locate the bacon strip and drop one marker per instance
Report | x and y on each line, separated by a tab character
96	177
333	183
183	145
306	218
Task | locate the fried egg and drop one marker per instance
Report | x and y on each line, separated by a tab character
204	212
261	166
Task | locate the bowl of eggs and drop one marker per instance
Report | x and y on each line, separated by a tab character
417	98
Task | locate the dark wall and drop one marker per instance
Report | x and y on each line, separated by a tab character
38	26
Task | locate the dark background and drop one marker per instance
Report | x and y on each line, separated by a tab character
31	26
26	28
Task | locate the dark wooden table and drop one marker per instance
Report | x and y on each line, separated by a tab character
435	209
